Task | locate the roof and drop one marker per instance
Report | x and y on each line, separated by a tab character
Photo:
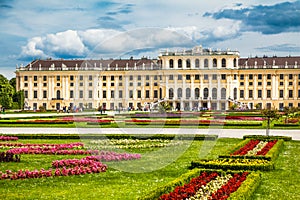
269	61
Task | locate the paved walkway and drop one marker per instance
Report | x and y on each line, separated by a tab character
230	133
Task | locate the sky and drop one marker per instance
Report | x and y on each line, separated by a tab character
94	29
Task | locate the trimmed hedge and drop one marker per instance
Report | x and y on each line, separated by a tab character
115	136
236	165
248	187
245	190
263	137
286	125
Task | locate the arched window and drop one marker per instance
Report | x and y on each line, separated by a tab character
171	63
179	93
234	93
234	62
215	62
188	93
171	93
179	63
223	62
223	93
214	93
188	63
205	93
58	94
197	63
197	93
205	62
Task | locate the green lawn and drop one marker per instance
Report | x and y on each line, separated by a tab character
282	183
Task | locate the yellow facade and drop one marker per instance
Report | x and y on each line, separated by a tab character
188	80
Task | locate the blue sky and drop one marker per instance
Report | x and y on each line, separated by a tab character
96	29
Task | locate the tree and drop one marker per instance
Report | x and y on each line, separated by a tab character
6	92
163	107
13	83
287	111
269	115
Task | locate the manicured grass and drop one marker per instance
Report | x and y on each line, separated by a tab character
281	183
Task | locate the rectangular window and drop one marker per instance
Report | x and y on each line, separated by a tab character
290	93
280	93
290	83
131	77
104	94
290	76
71	78
298	93
35	94
188	77
147	94
81	84
90	94
155	94
241	83
214	77
104	78
268	83
131	84
130	93
205	77
112	84
25	94
44	93
25	84
44	78
250	93
104	84
25	78
197	77
139	77
250	83
90	77
34	84
147	77
81	94
34	78
120	78
112	94
259	76
147	84
259	95
251	76
241	94
44	84
268	93
179	77
234	77
90	84
72	84
171	77
281	83
139	84
268	76
281	76
71	94
139	94
120	94
58	84
155	77
58	78
242	77
223	76
291	105
259	83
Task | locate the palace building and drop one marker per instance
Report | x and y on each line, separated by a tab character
188	80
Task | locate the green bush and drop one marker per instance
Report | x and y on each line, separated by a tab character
286	125
248	187
263	137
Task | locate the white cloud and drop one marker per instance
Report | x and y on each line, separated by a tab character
31	49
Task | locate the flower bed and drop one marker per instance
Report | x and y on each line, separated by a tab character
243	118
78	167
131	143
255	149
208	184
234	164
45	146
7	138
177	122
